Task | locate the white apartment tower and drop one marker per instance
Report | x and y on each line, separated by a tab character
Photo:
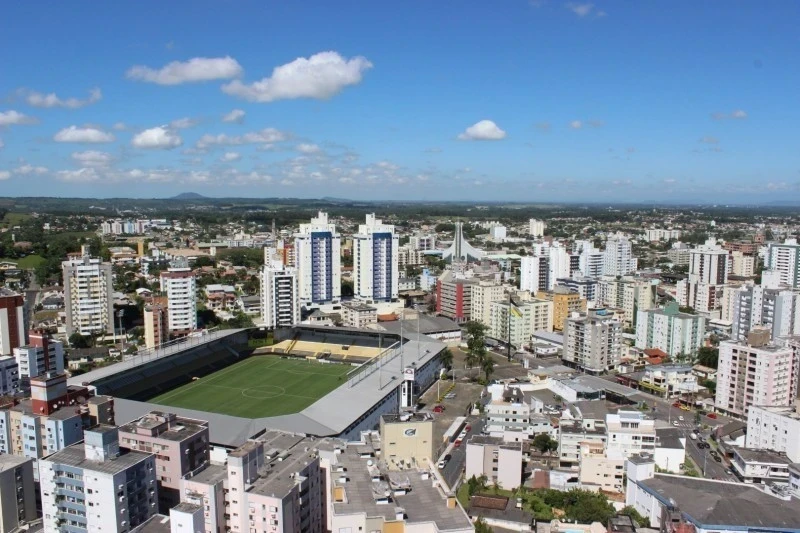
670	330
280	302
536	227
95	486
40	356
318	256
709	265
592	341
617	257
755	373
757	305
534	273
785	258
375	270
88	296
180	285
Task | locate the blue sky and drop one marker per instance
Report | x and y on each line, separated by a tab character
462	100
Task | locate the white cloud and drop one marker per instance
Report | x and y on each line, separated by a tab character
237	116
265	136
92	158
709	140
228	157
738	114
120	126
160	137
74	134
581	9
485	130
308	148
4	175
576	124
81	175
320	76
183	123
28	170
197	69
37	99
15	118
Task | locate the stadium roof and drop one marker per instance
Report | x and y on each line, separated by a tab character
331	415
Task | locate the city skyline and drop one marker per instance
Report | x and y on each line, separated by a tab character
530	101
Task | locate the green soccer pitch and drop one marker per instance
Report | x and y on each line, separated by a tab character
258	387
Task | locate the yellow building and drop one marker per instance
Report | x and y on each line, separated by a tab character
406	440
565	302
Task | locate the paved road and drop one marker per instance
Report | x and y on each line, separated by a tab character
31	297
455	466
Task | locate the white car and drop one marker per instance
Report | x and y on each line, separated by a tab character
675	423
680	418
441	464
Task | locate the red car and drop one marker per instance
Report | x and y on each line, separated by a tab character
712	415
467	428
676	404
457	443
438	409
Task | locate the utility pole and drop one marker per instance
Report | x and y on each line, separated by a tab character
508	344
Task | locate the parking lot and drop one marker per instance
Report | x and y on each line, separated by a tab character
465	395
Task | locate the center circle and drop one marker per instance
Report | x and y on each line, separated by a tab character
264	392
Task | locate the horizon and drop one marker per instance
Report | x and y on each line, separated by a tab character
516	102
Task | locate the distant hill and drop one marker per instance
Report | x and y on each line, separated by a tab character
188	196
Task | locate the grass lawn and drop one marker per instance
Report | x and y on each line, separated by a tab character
257	387
13	219
28	262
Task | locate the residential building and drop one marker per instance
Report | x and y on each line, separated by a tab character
599	471
9	375
87	296
180	444
156	325
561	263
17	493
42	354
573	434
375	264
655	235
12	321
590	259
627	293
409	256
180	285
519	320
679	254
682	504
565	303
742	264
407	440
280	294
709	265
618	259
207	488
534	272
536	227
318	252
760	466
669	330
777	309
669	380
785	259
755	372
358	315
423	242
483	293
220	297
630	433
775	428
499	461
507	413
454	297
585	287
592	341
96	486
497	233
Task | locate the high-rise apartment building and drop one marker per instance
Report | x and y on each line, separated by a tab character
519	320
565	303
41	355
17	493
96	486
775	428
536	227
9	375
534	273
618	258
742	264
592	341
785	258
280	298
709	266
88	296
757	305
591	261
375	269
454	297
156	325
423	242
179	283
318	253
12	321
755	372
669	330
484	294
180	444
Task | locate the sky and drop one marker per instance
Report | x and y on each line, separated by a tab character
502	100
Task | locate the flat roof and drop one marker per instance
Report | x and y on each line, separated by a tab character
762	456
178	429
724	505
75	455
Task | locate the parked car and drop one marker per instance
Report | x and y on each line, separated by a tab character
676	404
675	423
685	408
468	428
680	418
717	458
442	464
438	409
457	443
713	416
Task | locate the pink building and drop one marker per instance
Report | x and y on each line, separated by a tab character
180	445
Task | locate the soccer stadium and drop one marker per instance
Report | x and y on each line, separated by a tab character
288	386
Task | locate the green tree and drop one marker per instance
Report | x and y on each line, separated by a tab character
476	343
482	527
447	358
708	356
631	511
487	366
76	340
544	443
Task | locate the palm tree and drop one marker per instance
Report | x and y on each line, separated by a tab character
487	365
447	358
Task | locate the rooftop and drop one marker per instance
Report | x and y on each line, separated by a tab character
177	429
407	417
75	456
210	475
11	461
157	523
762	456
724	505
